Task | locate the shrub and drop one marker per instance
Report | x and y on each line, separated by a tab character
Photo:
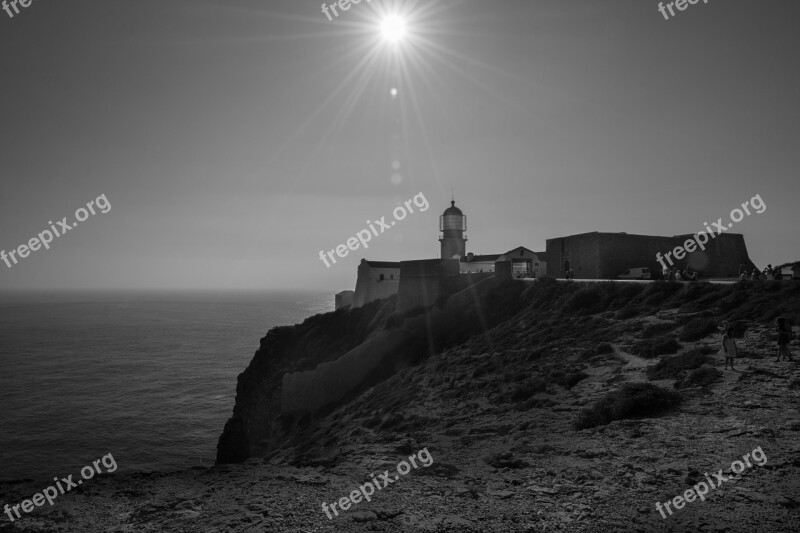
392	421
650	348
631	401
605	348
534	403
629	311
572	379
588	300
670	367
658	330
484	368
505	460
621	294
693	291
372	422
702	377
659	292
526	390
535	355
394	320
698	329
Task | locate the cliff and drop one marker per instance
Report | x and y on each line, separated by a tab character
311	368
303	372
509	387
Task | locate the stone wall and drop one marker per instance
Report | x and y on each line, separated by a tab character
421	282
370	288
607	255
344	299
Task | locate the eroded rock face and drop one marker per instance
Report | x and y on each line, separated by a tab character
254	427
330	358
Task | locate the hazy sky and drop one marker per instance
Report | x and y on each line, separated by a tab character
235	139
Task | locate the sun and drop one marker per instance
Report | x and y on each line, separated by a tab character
393	29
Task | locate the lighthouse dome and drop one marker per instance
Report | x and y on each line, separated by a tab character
452	210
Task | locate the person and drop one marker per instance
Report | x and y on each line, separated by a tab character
755	274
784	331
665	273
729	348
743	276
678	276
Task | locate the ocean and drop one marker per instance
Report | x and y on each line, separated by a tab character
147	377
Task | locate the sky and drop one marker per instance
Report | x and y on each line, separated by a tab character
234	140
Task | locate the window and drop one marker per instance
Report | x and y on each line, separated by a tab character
391	276
381	277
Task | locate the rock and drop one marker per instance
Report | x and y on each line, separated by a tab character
543	490
364	516
502	494
792	425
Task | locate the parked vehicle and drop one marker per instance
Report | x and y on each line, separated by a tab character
636	273
790	272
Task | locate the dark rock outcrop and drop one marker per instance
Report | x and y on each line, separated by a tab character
320	369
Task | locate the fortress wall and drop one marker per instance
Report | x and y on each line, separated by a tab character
721	258
369	289
376	358
607	255
421	282
344	299
454	284
619	252
503	270
582	251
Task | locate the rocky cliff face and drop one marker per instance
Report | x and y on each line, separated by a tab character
303	372
253	427
497	414
312	367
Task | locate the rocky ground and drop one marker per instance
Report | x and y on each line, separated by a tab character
497	418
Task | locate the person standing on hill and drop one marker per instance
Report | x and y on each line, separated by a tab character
784	331
728	348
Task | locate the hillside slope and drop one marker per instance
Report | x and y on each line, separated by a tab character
494	387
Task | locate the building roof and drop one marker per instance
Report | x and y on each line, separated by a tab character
383	264
518	248
453	210
495	257
598	233
474	258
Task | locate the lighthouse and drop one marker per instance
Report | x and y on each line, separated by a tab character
453	224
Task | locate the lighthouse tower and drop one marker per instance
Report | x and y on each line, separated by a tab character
453	224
